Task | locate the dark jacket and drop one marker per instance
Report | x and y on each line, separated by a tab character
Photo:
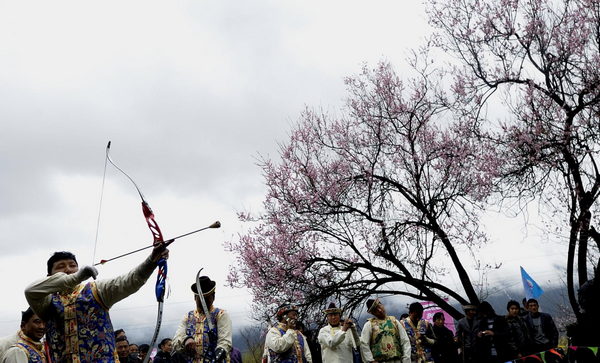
129	359
467	332
445	350
548	328
162	357
520	340
499	340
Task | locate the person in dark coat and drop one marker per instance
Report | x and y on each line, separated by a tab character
446	349
466	334
542	329
493	336
520	342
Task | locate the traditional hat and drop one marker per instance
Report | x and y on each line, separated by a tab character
332	309
206	284
286	308
469	307
372	304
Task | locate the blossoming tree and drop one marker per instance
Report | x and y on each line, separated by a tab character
380	199
543	58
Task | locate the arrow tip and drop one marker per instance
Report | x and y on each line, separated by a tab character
217	224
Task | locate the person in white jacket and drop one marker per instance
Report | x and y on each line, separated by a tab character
285	344
337	339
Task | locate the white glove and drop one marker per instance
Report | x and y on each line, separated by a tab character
86	272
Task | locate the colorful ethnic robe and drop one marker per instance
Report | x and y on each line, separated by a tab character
385	341
33	351
420	353
296	353
196	327
80	330
33	355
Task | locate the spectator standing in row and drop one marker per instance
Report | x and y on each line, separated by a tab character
165	353
284	343
541	327
520	342
493	336
467	329
420	334
446	349
134	352
336	338
383	338
122	346
144	348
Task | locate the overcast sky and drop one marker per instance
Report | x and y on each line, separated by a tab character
191	94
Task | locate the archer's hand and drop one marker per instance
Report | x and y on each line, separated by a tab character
159	251
86	272
190	346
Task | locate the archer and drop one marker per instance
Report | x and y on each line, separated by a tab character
78	325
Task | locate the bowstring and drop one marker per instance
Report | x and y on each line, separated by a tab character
99	211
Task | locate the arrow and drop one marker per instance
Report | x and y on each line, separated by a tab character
217	224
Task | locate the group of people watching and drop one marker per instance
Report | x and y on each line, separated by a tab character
132	353
73	316
481	336
129	353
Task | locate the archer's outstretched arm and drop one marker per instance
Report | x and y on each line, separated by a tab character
114	290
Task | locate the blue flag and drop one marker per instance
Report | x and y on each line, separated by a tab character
532	289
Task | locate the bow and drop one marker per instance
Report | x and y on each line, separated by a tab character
162	263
